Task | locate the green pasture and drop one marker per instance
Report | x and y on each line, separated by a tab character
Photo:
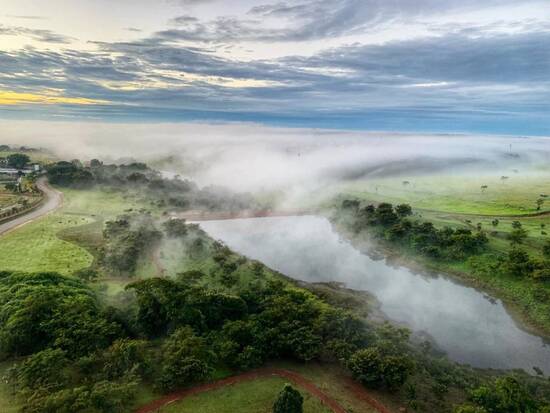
516	195
255	396
65	240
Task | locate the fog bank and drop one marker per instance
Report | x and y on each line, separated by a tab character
249	157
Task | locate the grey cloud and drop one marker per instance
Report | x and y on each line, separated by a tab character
42	35
318	19
455	75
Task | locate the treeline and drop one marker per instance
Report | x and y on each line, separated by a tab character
78	355
126	240
394	225
519	263
140	178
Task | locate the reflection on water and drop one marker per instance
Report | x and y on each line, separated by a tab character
470	326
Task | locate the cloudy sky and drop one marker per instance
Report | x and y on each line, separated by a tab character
403	65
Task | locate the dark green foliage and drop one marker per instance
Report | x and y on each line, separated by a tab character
518	263
45	370
373	367
175	227
68	174
48	310
126	240
125	357
99	397
517	236
184	360
505	395
289	400
392	224
18	160
403	210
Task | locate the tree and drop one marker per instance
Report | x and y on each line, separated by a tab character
540	202
184	360
516	224
45	369
495	222
289	400
517	236
403	210
505	395
546	250
385	214
518	263
18	160
175	227
373	368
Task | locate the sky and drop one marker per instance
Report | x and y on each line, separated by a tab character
465	66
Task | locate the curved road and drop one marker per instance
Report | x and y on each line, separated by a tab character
53	200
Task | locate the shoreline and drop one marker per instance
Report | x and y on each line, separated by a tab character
521	318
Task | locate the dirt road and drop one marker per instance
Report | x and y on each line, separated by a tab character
53	200
295	378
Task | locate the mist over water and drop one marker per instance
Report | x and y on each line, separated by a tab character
469	326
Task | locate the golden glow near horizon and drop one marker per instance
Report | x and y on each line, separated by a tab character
18	98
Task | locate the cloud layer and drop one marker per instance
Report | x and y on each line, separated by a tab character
467	73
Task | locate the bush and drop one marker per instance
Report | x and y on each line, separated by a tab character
375	369
289	401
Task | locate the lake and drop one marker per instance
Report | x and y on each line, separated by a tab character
470	326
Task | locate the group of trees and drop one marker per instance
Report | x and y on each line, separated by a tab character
504	395
520	264
139	178
18	160
126	240
78	354
394	225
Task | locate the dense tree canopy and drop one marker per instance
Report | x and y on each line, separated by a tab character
18	160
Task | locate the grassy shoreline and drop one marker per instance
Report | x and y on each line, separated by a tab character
513	303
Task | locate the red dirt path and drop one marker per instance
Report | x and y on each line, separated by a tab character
295	378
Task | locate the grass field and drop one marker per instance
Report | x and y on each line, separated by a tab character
255	396
516	195
63	241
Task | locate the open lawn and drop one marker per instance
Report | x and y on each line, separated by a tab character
65	240
255	396
36	247
516	195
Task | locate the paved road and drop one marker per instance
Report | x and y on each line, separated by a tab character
54	199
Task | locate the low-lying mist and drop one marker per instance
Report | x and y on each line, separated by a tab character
293	162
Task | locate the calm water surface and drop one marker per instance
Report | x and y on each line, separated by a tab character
469	326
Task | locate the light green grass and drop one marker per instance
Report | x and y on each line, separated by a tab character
255	396
49	243
459	193
36	247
